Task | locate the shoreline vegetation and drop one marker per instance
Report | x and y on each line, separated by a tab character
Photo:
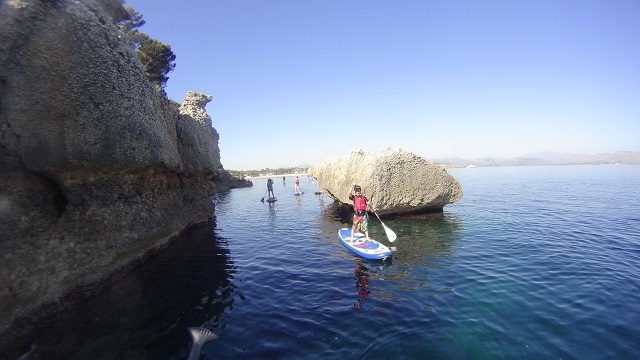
276	176
261	175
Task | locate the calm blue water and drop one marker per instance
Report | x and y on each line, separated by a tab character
532	263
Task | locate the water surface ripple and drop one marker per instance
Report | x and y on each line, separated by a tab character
532	263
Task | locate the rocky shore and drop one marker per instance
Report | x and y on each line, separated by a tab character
97	168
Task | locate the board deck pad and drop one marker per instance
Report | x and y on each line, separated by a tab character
367	248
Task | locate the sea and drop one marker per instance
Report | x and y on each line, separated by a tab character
538	262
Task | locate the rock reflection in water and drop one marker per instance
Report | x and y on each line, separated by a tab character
145	312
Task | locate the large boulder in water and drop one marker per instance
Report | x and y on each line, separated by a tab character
396	182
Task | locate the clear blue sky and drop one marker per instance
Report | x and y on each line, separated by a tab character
298	81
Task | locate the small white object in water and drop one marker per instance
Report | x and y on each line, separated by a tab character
200	336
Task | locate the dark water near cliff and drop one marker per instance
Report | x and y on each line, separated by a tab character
532	263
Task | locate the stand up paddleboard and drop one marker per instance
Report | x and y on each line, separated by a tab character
271	199
298	193
368	249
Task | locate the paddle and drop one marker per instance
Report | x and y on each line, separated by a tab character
200	337
265	194
390	234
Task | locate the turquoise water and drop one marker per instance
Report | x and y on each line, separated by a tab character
532	263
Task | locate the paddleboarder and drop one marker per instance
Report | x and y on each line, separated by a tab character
297	187
270	188
360	217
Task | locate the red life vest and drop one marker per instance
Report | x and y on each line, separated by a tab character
360	203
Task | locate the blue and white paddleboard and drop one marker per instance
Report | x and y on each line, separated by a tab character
367	248
298	193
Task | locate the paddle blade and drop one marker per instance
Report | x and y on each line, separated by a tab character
390	234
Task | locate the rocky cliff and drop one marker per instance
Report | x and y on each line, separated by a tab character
395	181
96	167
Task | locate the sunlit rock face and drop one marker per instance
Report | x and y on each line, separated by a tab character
97	168
396	182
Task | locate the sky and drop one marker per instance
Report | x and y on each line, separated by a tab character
299	81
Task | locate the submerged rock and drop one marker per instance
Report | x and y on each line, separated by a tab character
396	182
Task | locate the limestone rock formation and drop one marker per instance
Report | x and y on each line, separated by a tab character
197	151
197	139
97	168
396	182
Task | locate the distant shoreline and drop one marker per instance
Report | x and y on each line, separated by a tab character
307	174
470	165
275	176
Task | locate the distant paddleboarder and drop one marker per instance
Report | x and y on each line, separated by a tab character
319	191
297	186
270	188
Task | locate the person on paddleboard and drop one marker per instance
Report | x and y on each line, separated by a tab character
270	188
360	217
297	187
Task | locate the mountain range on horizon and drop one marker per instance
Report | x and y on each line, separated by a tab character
549	158
535	159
